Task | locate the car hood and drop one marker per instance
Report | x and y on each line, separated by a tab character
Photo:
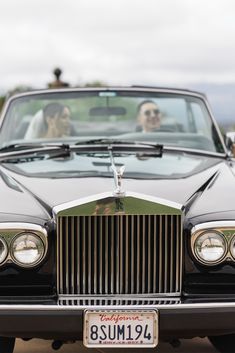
199	190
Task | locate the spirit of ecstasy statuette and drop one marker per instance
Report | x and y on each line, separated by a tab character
118	173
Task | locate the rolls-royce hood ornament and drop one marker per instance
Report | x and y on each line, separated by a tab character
118	174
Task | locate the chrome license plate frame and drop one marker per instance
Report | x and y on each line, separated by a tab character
128	328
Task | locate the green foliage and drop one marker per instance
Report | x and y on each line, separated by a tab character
19	89
222	129
96	83
2	100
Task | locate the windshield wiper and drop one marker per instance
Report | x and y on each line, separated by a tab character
123	144
28	146
30	151
104	141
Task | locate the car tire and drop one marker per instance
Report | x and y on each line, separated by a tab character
223	344
7	344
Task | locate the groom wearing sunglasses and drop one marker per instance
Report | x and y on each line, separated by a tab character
149	116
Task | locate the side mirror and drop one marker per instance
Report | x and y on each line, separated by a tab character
230	142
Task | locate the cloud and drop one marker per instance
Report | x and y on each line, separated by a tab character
124	42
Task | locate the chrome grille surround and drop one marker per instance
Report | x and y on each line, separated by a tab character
104	248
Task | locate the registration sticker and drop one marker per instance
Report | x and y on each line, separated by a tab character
120	328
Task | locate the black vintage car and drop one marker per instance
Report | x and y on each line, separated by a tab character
117	219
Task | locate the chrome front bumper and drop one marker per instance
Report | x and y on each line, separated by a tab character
65	322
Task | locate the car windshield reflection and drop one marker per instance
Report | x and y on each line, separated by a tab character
168	118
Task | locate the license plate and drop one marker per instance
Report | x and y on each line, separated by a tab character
120	328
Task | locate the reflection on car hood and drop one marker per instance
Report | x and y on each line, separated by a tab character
137	165
178	185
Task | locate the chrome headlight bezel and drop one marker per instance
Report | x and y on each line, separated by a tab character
36	238
207	234
9	231
232	243
6	248
226	229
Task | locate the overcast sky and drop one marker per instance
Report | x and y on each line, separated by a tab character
155	42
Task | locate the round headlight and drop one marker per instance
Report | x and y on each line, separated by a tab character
3	250
27	249
210	247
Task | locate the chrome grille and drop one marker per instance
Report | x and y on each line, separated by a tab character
119	254
114	302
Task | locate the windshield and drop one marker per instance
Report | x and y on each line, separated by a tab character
171	119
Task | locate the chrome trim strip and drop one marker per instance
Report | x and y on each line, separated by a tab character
138	257
78	252
57	307
143	255
120	218
95	255
59	255
180	268
89	234
104	89
178	257
193	151
84	275
133	254
166	270
67	254
101	256
22	227
127	254
160	255
72	258
172	245
141	296
106	247
118	259
212	225
149	255
154	279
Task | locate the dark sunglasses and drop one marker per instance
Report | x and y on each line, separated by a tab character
148	112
